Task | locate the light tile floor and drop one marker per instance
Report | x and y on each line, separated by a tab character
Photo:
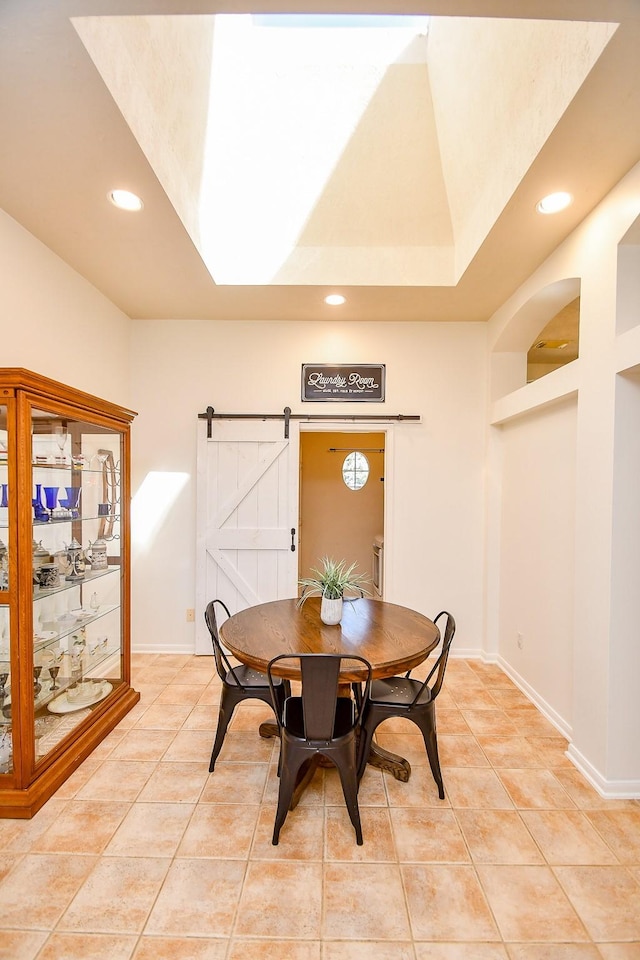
143	854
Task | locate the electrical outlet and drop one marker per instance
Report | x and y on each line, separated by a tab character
191	615
520	641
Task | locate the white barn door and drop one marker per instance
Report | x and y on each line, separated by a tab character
247	508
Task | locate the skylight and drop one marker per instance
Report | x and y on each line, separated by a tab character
285	105
308	21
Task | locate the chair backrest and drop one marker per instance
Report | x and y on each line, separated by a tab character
320	674
440	665
222	663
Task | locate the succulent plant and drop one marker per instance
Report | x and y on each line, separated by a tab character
332	578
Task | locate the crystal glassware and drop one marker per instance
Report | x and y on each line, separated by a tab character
60	436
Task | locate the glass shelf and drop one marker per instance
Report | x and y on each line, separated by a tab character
55	635
39	593
114	517
68	468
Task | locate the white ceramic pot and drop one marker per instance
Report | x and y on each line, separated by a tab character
331	611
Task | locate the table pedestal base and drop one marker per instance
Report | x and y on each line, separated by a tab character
389	762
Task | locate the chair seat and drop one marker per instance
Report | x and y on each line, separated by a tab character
398	691
294	718
247	677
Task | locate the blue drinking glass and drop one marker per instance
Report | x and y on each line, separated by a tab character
73	497
51	497
72	500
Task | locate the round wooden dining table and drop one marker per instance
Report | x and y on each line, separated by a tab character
392	638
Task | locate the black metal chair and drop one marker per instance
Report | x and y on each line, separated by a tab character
319	723
413	699
238	683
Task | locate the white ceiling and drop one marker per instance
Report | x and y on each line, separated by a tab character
443	229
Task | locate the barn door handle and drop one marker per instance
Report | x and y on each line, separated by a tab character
293	539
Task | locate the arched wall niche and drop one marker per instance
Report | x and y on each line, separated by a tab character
530	324
556	344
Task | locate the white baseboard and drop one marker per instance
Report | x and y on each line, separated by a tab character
462	653
552	716
470	654
155	648
609	789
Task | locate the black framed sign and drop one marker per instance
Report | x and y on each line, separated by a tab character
343	381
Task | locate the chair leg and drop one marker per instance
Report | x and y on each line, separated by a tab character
346	769
289	767
428	728
227	706
366	736
281	814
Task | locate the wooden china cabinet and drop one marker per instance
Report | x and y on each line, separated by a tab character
64	582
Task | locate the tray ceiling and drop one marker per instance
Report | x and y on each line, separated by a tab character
277	164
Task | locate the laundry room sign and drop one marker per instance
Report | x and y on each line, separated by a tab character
344	381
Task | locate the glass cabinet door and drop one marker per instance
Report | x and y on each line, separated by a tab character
65	646
77	572
6	753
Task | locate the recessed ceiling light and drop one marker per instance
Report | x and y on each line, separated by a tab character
334	299
125	200
554	202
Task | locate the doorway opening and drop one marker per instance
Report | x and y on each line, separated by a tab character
341	505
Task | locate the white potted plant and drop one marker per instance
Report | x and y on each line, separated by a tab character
331	580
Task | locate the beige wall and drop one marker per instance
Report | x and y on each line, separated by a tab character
623	733
537	562
55	323
334	520
434	523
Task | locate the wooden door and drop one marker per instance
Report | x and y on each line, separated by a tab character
247	508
